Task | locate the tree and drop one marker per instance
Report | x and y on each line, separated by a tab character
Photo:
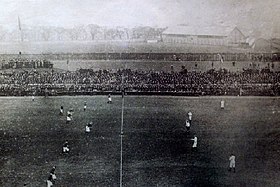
82	32
60	32
77	33
126	30
110	33
45	33
120	32
2	34
142	32
73	33
159	32
93	30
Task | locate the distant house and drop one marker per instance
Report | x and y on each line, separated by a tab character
275	45
152	41
204	36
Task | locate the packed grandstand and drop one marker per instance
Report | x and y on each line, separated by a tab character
39	60
88	81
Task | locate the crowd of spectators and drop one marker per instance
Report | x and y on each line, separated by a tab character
88	81
256	57
19	63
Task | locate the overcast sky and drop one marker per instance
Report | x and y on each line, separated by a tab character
248	14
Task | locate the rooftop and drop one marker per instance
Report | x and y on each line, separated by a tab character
205	31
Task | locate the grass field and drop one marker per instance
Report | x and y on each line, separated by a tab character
156	147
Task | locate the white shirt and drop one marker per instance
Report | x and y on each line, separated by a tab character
65	149
232	159
49	183
188	124
70	112
194	141
68	118
87	129
222	104
53	176
190	115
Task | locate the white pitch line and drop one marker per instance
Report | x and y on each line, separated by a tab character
121	161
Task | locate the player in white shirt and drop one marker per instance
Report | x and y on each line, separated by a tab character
53	170
87	129
68	118
85	106
61	111
65	148
190	116
222	104
52	177
49	181
33	97
194	146
71	112
232	163
109	99
188	125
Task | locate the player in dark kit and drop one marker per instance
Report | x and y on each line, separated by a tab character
123	93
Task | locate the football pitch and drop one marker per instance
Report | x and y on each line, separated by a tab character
156	148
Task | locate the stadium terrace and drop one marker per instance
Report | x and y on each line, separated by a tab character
90	82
